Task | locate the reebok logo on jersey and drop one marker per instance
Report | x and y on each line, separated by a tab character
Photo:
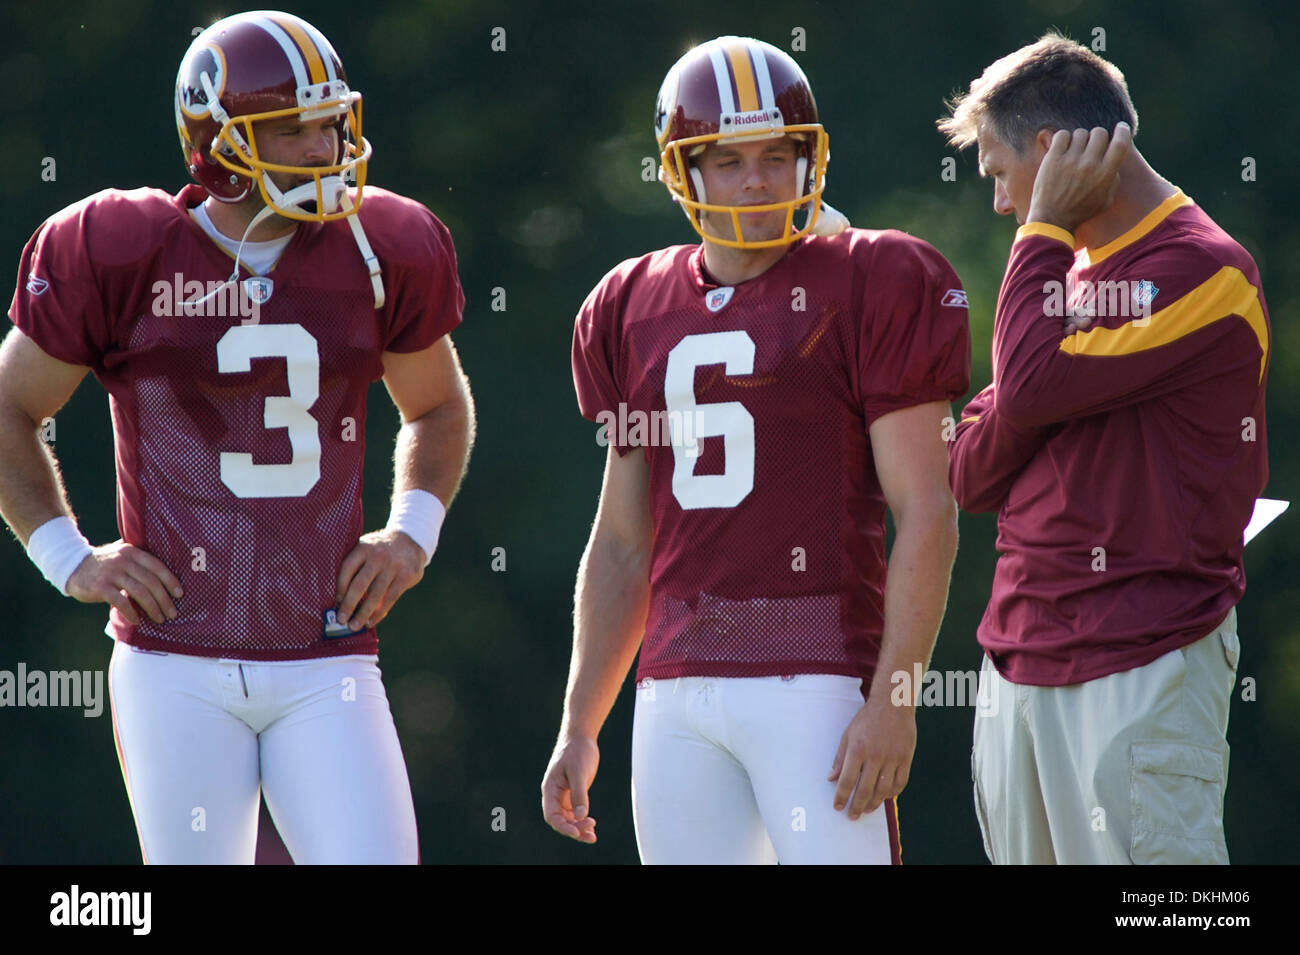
36	285
716	300
955	298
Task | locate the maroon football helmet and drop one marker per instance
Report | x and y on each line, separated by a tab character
730	90
257	66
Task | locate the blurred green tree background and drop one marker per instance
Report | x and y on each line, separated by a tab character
533	156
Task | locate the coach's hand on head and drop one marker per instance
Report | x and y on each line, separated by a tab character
564	788
119	573
384	565
875	756
1078	176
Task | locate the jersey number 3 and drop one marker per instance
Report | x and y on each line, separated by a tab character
727	419
235	352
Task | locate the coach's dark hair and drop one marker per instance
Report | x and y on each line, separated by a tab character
1052	84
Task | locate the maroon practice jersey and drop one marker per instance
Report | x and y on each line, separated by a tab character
753	405
240	431
1123	459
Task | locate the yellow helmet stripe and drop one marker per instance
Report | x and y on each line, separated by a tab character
743	71
315	65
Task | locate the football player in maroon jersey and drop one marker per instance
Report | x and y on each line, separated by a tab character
766	394
236	327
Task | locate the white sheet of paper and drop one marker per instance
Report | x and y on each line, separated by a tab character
1266	512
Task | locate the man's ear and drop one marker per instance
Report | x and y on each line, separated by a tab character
1043	142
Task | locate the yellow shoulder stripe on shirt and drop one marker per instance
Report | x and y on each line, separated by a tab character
1048	230
1228	292
1152	219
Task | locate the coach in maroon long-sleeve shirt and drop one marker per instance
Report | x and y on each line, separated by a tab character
1122	440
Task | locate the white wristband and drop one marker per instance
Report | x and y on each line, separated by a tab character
419	515
57	548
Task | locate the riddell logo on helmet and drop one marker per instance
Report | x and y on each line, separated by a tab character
758	117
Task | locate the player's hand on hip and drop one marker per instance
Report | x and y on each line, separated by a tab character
384	565
875	756
1078	176
565	786
119	573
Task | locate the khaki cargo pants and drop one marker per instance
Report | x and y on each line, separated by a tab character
1127	768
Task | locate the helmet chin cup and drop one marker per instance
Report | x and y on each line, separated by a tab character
326	191
329	198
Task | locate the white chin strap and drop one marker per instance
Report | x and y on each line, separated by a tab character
334	193
367	253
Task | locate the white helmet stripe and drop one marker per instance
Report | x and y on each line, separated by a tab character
291	51
324	48
766	98
726	101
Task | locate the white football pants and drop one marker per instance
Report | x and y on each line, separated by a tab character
200	738
733	771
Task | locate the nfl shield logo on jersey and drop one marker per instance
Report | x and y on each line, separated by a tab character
1144	293
717	299
259	289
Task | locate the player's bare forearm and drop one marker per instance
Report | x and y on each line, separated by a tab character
432	393
610	605
31	491
612	594
874	759
432	452
916	590
875	753
609	618
912	464
33	386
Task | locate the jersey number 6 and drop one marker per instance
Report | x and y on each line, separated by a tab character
727	419
297	347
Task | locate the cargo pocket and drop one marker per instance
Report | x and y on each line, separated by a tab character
1176	792
1231	648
